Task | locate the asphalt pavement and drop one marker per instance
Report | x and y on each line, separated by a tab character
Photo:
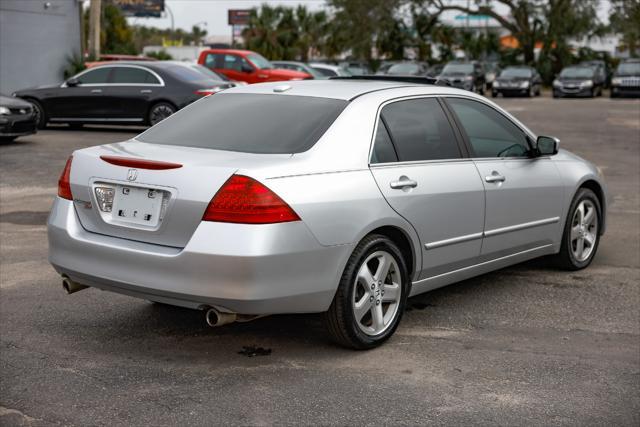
527	345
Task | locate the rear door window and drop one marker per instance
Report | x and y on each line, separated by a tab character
420	130
132	75
249	123
383	150
97	76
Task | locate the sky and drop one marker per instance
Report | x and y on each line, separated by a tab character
187	13
212	14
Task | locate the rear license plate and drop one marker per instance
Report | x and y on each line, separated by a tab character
137	205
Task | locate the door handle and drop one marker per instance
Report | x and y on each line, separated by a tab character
146	91
96	90
263	76
495	177
403	183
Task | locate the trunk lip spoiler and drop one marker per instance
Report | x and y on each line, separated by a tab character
140	163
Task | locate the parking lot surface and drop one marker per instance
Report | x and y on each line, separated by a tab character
528	345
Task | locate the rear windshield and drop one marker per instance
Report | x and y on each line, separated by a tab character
249	123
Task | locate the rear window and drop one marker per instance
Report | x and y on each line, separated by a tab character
249	123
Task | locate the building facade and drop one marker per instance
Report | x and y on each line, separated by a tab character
37	40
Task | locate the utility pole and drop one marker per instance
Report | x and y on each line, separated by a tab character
95	8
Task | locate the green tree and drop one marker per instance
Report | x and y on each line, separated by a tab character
361	25
116	36
286	33
624	19
261	34
530	21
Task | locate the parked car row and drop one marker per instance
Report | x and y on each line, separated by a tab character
145	92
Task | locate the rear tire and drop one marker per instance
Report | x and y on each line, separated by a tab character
361	317
581	235
160	111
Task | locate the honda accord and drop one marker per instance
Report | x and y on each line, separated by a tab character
341	197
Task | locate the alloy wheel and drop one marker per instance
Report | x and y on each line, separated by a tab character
377	293
584	230
159	113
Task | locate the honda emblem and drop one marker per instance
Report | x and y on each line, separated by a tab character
132	174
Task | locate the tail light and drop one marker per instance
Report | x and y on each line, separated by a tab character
244	200
64	183
209	91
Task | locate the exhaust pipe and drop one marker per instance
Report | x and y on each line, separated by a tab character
217	318
70	286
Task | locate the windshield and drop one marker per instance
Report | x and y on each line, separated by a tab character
260	61
629	69
577	73
516	72
458	69
249	123
403	69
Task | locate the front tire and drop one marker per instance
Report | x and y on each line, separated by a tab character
581	234
160	111
40	113
371	296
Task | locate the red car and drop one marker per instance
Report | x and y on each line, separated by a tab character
246	66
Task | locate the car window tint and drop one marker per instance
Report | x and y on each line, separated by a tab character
214	60
420	130
131	75
326	72
270	124
490	133
383	151
97	76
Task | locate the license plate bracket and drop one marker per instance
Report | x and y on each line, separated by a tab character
137	205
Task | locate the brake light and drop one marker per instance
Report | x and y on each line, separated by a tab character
140	163
64	183
207	92
244	200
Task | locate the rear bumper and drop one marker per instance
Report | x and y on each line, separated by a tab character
259	269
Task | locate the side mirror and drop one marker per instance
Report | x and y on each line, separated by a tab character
247	68
547	145
73	82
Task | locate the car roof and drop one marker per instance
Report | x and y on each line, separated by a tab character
335	88
231	51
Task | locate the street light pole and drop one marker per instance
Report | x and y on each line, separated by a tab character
95	8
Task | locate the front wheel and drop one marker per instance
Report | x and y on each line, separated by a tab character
371	296
39	113
160	111
581	232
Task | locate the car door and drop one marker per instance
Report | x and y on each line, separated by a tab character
80	96
426	177
127	97
524	193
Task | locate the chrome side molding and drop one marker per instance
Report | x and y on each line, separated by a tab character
490	233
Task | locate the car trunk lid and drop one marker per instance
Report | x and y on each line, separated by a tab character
158	192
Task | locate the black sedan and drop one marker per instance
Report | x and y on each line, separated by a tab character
465	75
517	81
17	118
135	93
407	68
578	81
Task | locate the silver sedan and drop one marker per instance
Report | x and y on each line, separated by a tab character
336	196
